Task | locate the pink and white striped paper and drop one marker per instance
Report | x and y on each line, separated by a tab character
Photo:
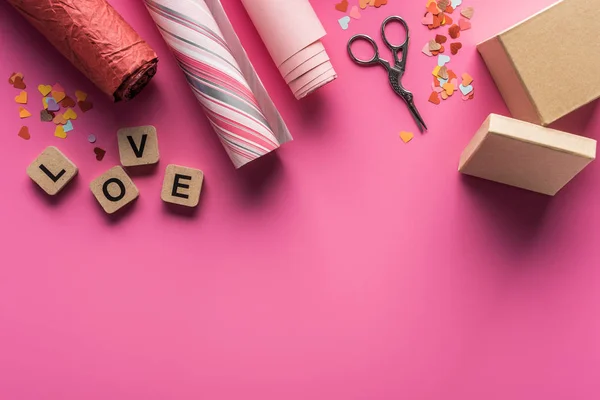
221	76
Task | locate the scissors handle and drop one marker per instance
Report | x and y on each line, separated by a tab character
401	48
373	60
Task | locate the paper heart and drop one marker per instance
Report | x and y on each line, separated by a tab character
434	98
23	113
406	136
45	116
67	102
11	80
427	19
466	79
52	104
99	153
45	89
342	6
443	60
426	50
456	3
58	88
59	119
443	73
21	98
454	82
442	4
467	12
80	96
464	24
437	89
24	133
441	39
59	132
85	106
68	127
70	114
455	47
448	20
444	95
379	3
442	81
344	22
58	96
454	31
363	4
465	90
433	8
434	46
354	13
451	75
19	83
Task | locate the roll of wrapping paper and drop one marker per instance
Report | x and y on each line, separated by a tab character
221	76
292	33
97	40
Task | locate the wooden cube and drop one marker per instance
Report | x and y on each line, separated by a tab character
138	146
52	170
182	185
525	155
114	189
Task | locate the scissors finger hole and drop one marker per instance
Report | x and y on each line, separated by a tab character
362	49
395	32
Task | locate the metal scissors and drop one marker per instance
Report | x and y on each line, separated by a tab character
395	72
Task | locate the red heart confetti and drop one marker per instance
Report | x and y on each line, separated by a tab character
99	153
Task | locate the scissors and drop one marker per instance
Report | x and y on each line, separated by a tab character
395	72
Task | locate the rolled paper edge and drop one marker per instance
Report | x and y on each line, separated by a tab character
138	80
308	52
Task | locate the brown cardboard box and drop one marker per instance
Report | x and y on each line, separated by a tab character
525	155
547	66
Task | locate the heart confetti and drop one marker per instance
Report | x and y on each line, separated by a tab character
468	12
443	60
68	127
70	114
464	24
467	79
11	79
99	153
19	83
85	105
441	39
354	13
58	88
455	47
59	119
52	104
344	22
406	136
67	102
45	116
434	98
363	4
58	96
342	6
23	113
24	133
426	50
45	89
80	96
21	98
59	132
454	31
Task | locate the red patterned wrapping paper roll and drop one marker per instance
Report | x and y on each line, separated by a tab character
97	40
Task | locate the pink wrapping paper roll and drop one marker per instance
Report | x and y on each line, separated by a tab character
221	76
292	33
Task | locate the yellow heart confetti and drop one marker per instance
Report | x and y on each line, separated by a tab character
59	132
23	113
44	89
44	103
70	114
406	136
21	98
80	96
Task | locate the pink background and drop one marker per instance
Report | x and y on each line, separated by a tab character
348	266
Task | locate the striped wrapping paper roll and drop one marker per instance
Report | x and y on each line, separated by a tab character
221	76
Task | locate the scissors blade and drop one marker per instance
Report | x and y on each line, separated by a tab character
416	115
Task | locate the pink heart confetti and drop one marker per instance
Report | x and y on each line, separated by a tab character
427	19
464	24
354	13
426	50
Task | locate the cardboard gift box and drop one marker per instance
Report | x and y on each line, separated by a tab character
547	66
525	155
